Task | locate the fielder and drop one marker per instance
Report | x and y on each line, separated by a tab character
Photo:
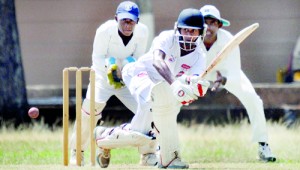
116	43
161	81
236	82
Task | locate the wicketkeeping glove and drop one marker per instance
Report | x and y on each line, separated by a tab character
114	77
183	93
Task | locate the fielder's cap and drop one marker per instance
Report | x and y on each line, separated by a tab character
213	12
128	9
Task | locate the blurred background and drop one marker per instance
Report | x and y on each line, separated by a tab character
59	33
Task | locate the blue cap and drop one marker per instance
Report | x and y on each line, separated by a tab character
128	9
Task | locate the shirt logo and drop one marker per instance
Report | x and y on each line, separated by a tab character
185	67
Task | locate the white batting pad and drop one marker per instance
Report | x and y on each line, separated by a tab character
162	96
165	109
118	138
85	131
86	106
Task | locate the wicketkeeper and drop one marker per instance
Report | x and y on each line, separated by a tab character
117	42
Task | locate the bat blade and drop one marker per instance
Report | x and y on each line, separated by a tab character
233	43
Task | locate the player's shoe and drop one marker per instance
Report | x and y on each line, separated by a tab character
265	154
175	164
103	157
149	159
73	161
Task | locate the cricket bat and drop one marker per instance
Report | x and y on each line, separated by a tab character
233	43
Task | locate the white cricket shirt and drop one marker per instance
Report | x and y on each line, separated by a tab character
108	43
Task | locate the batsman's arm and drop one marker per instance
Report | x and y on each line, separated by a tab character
161	66
183	93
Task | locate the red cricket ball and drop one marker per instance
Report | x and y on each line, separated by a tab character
33	112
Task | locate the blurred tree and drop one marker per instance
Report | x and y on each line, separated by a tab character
13	97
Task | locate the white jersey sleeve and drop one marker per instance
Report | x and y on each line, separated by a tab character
230	66
141	35
108	43
100	46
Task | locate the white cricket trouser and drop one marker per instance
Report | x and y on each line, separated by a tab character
165	109
103	91
245	92
140	85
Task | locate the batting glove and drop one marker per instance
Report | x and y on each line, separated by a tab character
187	79
198	85
183	93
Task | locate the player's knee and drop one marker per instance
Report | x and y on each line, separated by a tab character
161	94
98	107
163	99
140	88
127	74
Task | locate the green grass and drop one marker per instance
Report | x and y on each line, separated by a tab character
203	146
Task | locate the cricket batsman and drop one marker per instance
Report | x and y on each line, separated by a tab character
162	81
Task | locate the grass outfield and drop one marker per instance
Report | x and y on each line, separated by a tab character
203	147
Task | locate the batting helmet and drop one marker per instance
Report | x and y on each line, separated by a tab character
190	18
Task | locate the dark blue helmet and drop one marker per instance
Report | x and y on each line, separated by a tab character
190	18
